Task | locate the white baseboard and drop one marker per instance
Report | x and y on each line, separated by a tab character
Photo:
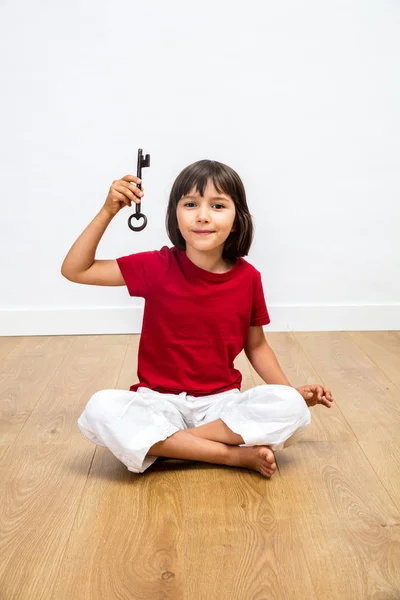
114	320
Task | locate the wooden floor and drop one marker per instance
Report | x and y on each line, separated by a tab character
75	524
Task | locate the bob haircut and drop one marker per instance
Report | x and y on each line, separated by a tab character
196	176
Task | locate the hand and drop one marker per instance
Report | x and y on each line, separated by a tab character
122	193
316	394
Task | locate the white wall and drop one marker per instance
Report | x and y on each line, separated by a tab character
301	98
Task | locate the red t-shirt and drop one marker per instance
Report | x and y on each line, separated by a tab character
195	322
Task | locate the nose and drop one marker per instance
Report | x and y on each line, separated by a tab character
202	214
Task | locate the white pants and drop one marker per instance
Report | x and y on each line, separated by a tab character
129	423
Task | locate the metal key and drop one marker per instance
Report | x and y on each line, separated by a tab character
141	162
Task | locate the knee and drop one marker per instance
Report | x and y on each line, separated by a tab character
99	404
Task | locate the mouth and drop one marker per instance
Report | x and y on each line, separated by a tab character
203	232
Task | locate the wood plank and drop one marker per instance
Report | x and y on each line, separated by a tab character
333	479
348	560
126	539
26	370
45	470
345	519
242	537
385	459
8	344
383	349
364	394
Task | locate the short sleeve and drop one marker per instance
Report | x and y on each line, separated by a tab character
259	311
141	270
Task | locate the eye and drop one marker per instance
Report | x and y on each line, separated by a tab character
217	204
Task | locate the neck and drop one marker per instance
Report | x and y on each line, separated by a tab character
211	260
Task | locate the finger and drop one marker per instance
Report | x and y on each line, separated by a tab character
122	198
131	186
138	191
131	178
305	391
328	394
132	191
124	191
317	389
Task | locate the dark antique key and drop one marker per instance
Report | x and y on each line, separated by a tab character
141	162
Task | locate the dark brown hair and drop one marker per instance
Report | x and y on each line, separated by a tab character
225	179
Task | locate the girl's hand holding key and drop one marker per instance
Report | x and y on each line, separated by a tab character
122	192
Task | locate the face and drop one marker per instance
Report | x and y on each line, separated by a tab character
214	212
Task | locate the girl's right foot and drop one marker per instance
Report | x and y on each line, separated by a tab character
257	458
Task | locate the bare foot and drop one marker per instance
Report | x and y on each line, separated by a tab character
257	458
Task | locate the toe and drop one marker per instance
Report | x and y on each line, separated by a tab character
271	457
268	455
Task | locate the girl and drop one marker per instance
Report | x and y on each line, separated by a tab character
204	304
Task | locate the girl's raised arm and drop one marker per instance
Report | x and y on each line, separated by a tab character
80	264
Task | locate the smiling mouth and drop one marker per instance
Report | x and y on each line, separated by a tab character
203	232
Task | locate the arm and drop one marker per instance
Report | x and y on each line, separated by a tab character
263	359
80	265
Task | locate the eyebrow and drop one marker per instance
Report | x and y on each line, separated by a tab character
213	198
